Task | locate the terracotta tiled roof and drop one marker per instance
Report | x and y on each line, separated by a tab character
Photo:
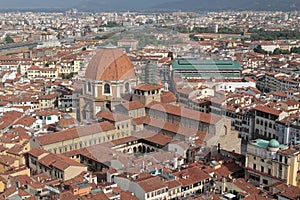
290	192
143	133
152	184
184	112
100	153
22	193
16	150
113	117
127	195
159	139
60	162
191	175
8	118
34	68
138	121
292	102
7	160
132	105
25	121
148	87
47	96
47	112
110	64
74	133
2	148
173	184
174	128
66	122
37	152
279	93
8	192
23	179
37	185
97	196
124	140
246	186
268	110
168	97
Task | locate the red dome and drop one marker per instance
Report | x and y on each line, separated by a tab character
109	64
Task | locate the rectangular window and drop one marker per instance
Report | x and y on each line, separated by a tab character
33	161
49	118
265	181
280	171
254	166
285	159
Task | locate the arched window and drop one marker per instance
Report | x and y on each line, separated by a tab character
106	88
127	87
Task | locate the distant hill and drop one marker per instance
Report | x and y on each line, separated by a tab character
117	5
83	5
140	5
217	5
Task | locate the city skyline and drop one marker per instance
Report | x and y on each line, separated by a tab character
149	105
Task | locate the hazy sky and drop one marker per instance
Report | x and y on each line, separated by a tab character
110	4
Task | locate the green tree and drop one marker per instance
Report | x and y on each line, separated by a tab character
111	24
193	37
170	55
8	39
69	76
104	37
295	50
279	51
259	49
261	34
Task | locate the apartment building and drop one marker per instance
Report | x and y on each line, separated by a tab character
209	123
55	166
288	129
36	71
268	162
264	122
76	137
280	81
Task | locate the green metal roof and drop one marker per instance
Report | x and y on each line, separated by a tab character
208	75
265	144
274	143
206	65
